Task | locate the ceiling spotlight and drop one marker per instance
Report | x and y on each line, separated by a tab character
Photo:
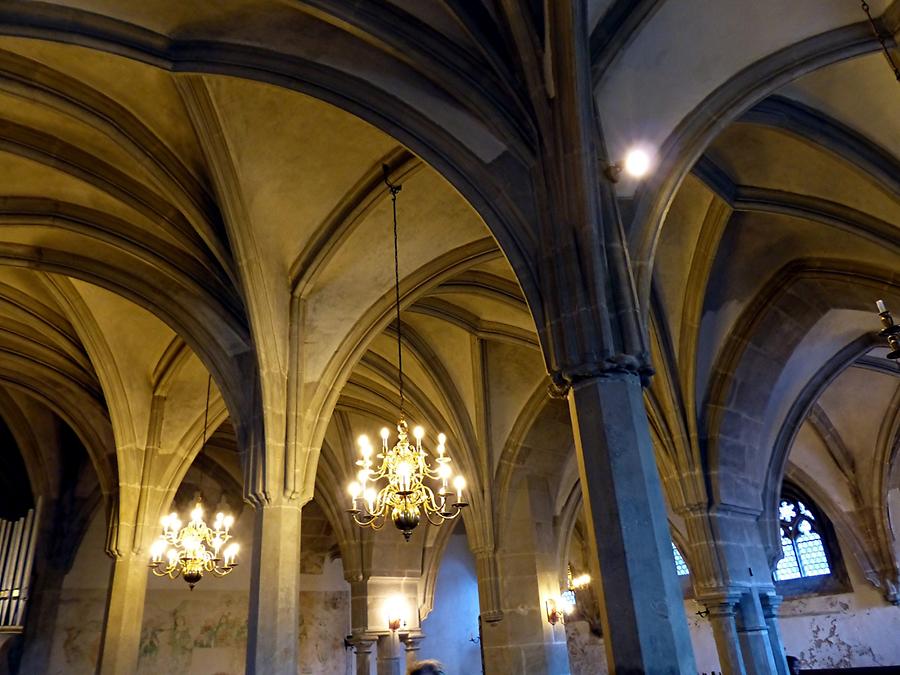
636	164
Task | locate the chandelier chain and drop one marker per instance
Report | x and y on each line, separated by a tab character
394	189
881	40
394	483
206	411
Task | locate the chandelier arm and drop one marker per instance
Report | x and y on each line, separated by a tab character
431	503
440	517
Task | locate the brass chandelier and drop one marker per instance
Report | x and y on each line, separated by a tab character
405	466
195	549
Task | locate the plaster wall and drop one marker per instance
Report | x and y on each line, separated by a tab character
452	625
199	632
846	630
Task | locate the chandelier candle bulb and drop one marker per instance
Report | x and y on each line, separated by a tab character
882	308
459	483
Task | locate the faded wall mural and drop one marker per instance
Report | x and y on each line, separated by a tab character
199	632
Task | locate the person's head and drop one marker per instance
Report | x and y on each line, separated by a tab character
426	668
793	664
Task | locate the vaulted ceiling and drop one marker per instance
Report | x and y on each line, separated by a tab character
195	188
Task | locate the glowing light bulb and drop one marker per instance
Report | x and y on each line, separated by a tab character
197	514
418	432
444	472
230	554
172	555
459	484
637	163
354	490
385	433
363	441
157	550
366	451
229	521
442	438
370	498
404	472
581	581
395	610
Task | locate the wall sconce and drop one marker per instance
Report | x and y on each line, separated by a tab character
558	608
890	332
554	615
636	164
580	581
395	611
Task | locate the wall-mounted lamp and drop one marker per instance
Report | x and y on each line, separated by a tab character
554	613
580	581
890	332
637	164
395	613
559	607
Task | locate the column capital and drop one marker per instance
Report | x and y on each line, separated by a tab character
771	602
721	604
620	366
363	643
411	640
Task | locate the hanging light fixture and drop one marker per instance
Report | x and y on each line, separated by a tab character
196	548
404	496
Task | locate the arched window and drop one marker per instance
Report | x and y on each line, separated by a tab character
681	567
811	561
802	544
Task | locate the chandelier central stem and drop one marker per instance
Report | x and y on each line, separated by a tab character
394	189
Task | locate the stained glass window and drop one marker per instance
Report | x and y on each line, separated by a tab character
680	565
803	547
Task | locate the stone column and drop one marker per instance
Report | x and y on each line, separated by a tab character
124	614
754	636
363	647
770	605
391	658
273	626
722	619
412	643
488	584
524	642
642	605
